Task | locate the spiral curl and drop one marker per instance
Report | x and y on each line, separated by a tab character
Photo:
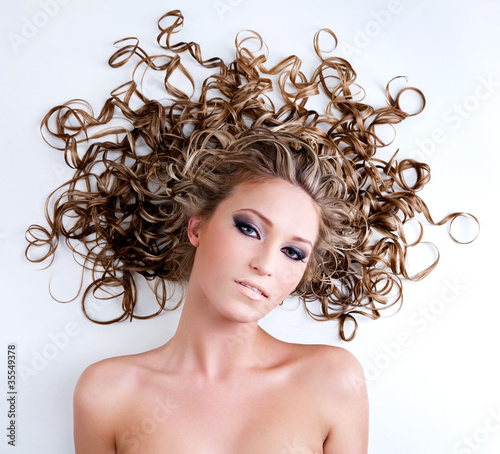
136	185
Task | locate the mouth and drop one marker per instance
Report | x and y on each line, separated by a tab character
251	291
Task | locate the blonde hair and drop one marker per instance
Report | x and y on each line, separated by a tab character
134	188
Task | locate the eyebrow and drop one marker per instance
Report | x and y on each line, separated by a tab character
270	224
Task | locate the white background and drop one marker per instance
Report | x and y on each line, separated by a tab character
433	368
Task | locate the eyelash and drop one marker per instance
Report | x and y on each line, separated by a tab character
240	225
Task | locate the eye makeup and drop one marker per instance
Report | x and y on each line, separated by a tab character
298	255
248	229
245	227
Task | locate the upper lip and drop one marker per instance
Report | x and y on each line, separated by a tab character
254	285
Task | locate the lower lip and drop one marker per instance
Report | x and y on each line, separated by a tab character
252	294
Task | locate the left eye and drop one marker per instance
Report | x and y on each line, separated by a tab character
294	254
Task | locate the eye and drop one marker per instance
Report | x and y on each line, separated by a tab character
246	229
294	254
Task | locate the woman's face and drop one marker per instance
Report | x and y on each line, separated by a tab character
261	236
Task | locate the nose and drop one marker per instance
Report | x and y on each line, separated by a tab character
263	261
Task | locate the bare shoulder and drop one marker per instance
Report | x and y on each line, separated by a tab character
107	381
98	402
341	372
333	379
341	365
340	388
336	364
112	374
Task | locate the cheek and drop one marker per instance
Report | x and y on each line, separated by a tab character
291	276
220	254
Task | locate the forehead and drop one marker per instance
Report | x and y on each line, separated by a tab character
288	207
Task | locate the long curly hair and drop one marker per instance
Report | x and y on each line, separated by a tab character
135	185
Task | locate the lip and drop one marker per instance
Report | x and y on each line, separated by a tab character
249	292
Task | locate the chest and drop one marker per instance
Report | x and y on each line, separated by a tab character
244	418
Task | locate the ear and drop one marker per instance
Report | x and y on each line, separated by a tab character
194	228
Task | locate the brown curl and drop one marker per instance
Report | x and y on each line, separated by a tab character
135	185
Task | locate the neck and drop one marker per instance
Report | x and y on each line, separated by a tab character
212	346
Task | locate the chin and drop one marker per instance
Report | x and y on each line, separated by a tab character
247	314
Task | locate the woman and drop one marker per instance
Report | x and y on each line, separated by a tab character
246	203
221	384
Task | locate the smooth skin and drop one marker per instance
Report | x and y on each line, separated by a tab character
221	384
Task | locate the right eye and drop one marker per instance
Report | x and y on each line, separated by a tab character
246	229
